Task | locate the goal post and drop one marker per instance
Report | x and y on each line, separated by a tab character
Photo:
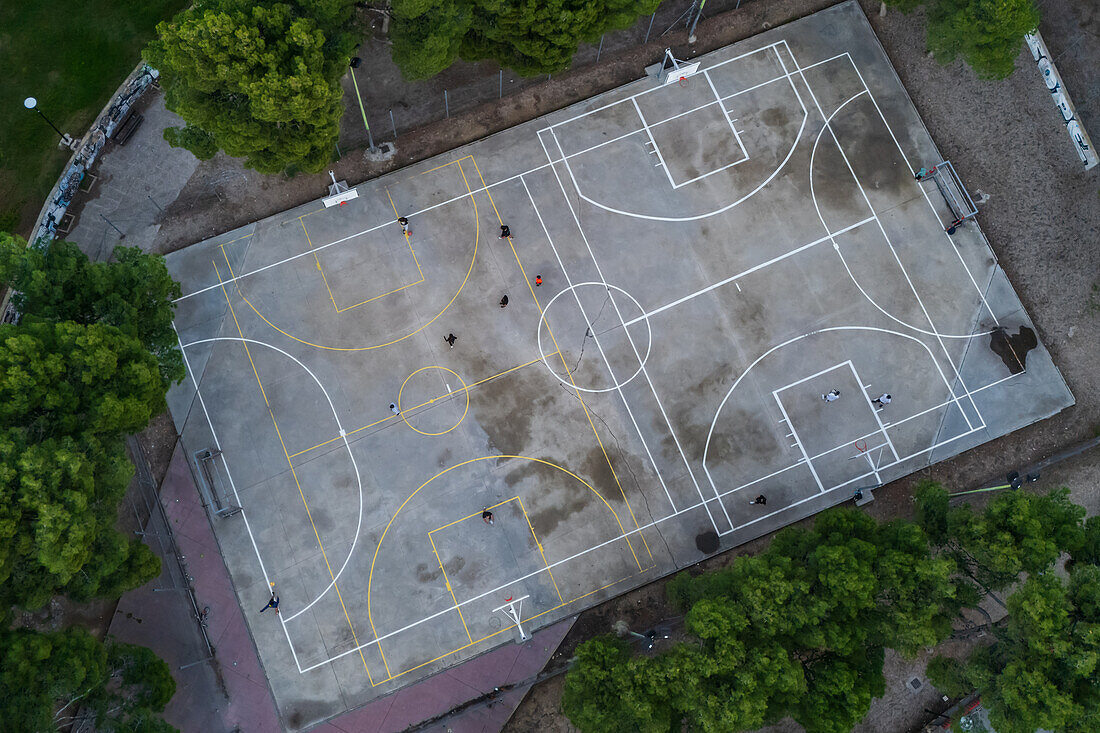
959	204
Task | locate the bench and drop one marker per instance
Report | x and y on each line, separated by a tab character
128	127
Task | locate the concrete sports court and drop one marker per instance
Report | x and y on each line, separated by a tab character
716	253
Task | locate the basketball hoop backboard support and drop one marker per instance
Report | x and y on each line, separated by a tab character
674	70
339	193
513	609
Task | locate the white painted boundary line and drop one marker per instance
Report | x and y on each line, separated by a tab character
798	442
233	486
867	201
656	522
588	323
626	331
652	142
874	412
927	200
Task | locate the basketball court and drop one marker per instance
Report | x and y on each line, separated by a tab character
718	248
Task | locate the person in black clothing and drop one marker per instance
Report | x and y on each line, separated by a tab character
273	603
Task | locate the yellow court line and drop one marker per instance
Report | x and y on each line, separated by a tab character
473	259
508	628
464	157
368	300
565	366
539	545
378	547
319	268
296	482
416	407
465	389
452	590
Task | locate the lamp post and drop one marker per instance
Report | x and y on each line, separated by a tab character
32	103
355	63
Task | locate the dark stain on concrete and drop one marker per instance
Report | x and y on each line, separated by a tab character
598	472
707	542
1013	349
775	117
506	410
426	573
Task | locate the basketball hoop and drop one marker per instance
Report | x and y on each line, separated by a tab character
863	448
683	82
513	611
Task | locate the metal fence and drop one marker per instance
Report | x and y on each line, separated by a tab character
394	109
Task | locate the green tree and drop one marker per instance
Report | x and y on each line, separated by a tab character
1043	671
987	33
530	36
134	293
65	379
799	630
67	394
259	80
124	686
1018	532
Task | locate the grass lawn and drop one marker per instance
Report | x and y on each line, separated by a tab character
71	56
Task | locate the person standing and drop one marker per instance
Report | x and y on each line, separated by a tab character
487	516
761	500
831	396
538	280
393	409
450	339
882	400
504	302
404	222
273	603
505	232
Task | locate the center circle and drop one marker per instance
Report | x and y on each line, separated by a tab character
603	327
425	403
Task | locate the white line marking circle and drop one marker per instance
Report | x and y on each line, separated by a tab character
608	287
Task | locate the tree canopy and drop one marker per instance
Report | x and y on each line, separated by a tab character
799	630
48	676
529	36
134	293
988	34
67	395
259	80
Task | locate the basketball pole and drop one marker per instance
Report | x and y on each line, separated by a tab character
370	137
698	15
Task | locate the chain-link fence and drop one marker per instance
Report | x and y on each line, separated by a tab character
394	106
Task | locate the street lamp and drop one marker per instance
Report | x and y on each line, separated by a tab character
32	103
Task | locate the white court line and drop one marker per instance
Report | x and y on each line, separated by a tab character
653	142
535	169
798	442
696	217
927	200
233	486
605	543
874	412
594	338
347	445
629	337
905	273
743	273
726	114
830	329
651	525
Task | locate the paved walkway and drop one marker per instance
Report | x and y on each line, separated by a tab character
136	183
230	692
